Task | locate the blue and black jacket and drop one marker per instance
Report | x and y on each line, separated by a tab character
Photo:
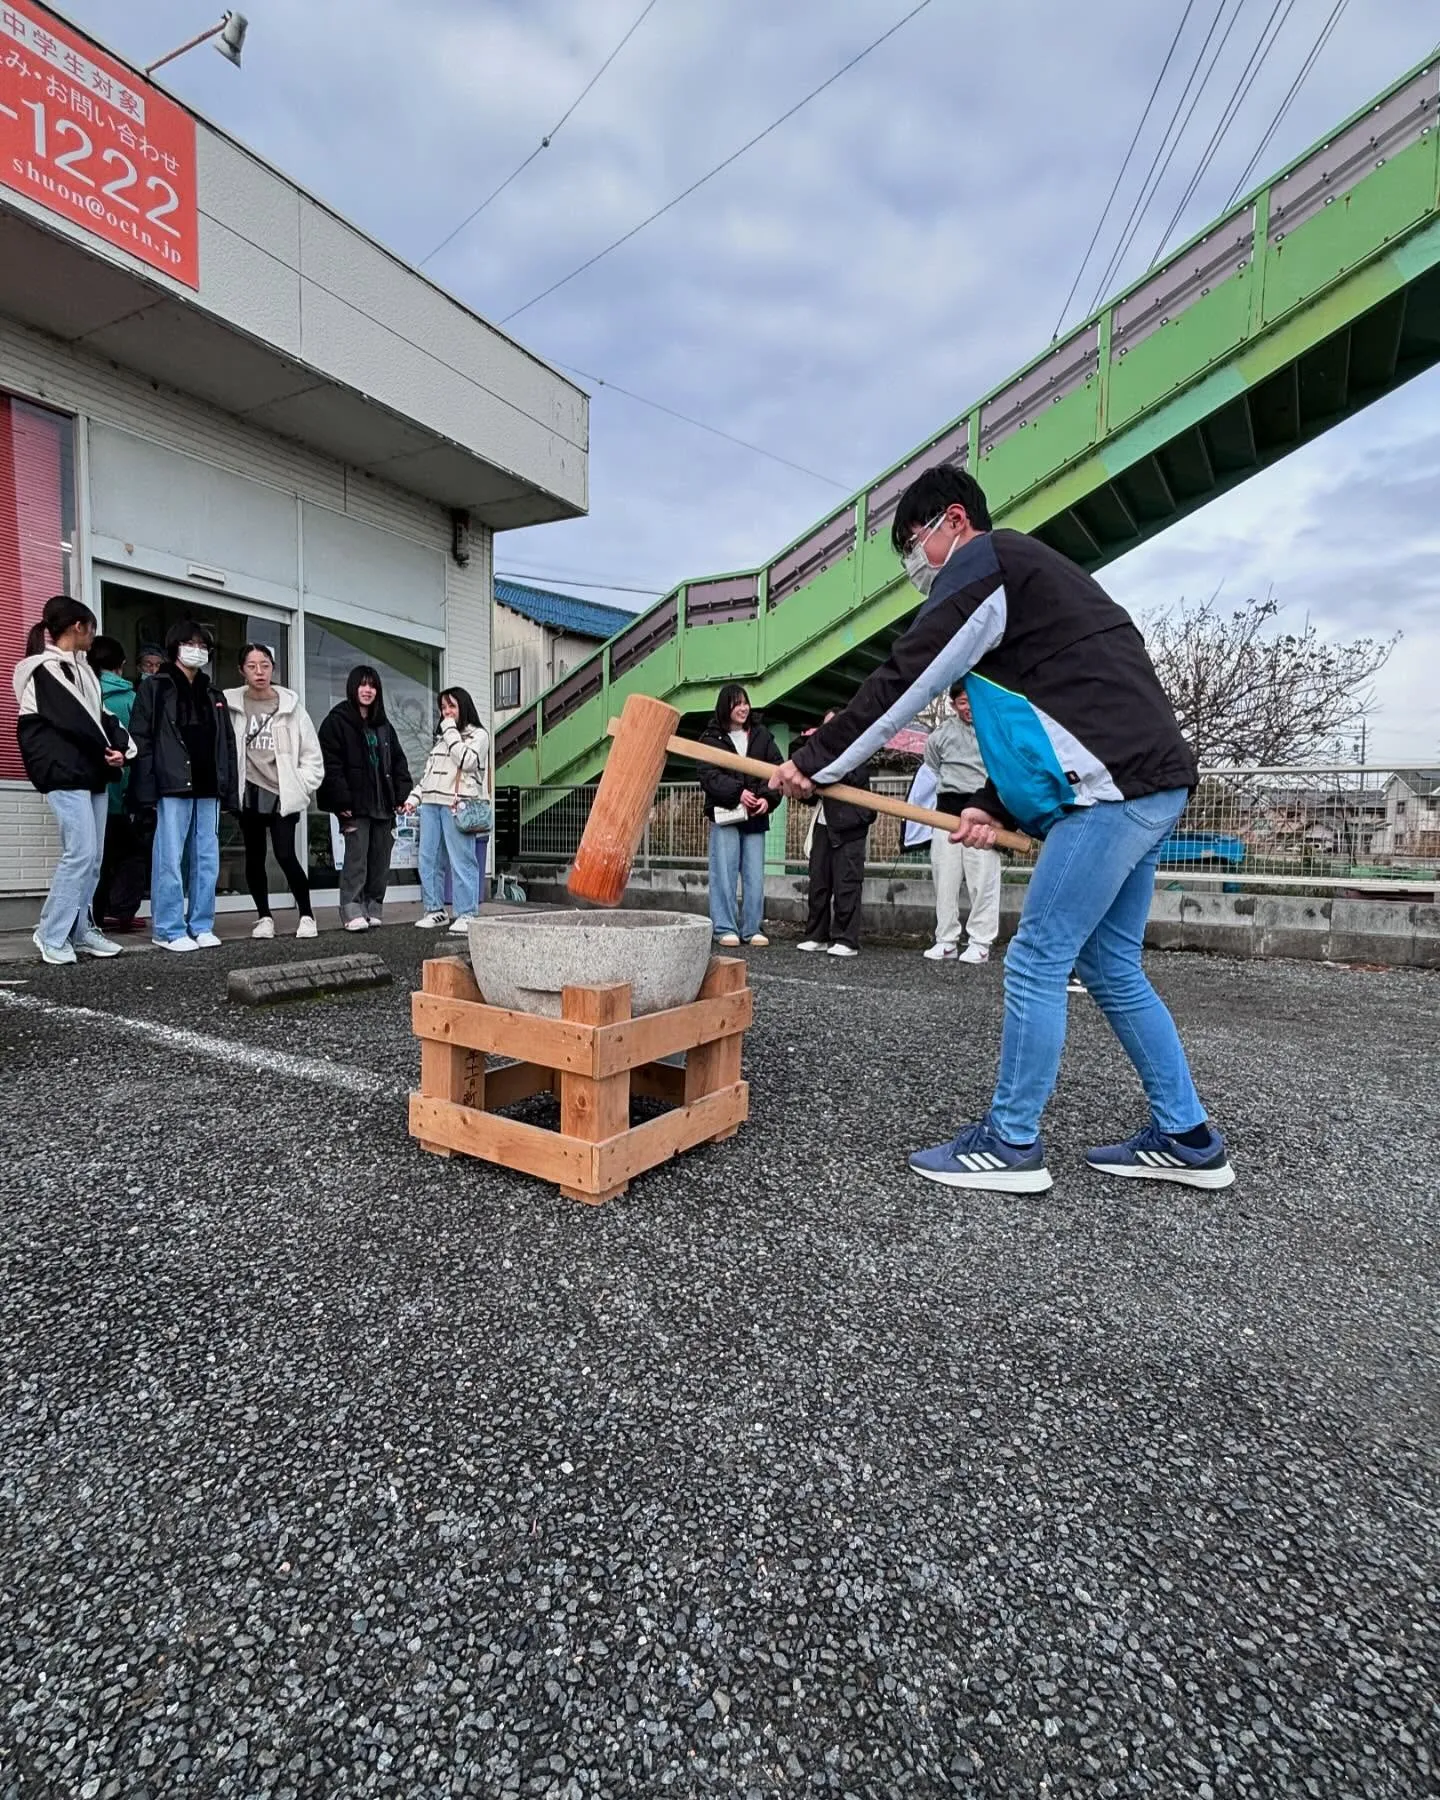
1067	706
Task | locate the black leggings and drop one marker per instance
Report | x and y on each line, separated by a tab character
280	828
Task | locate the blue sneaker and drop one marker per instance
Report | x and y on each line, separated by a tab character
977	1158
1153	1155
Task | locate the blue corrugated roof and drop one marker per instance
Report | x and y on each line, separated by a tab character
585	618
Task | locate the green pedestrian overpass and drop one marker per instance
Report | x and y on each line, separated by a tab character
1315	296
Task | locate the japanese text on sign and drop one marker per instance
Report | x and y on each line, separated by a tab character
87	140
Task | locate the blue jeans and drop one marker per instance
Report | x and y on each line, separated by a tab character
737	858
185	862
1086	909
81	819
442	841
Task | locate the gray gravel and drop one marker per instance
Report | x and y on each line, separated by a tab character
329	1468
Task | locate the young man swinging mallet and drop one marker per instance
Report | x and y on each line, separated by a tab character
1084	751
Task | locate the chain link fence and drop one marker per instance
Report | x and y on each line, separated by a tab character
1342	823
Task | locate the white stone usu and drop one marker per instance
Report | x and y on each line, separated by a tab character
523	961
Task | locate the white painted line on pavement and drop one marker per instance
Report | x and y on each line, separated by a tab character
836	987
223	1050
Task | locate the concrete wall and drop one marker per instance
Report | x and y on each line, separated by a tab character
1397	932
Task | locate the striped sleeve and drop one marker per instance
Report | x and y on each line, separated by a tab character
946	640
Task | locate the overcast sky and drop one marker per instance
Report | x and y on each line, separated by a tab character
851	284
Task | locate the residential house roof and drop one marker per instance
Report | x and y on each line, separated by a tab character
1424	782
563	612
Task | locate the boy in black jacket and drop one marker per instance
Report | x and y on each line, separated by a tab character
1083	749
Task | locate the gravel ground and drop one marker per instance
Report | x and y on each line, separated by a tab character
329	1468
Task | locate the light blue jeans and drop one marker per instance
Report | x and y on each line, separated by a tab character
81	819
1086	908
737	859
184	864
442	841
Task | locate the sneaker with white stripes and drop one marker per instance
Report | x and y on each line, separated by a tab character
1153	1155
978	1158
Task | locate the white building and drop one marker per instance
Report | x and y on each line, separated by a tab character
220	400
540	636
1412	816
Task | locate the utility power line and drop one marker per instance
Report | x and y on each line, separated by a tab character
524	576
1164	153
710	174
1115	189
1264	44
545	141
847	487
1317	50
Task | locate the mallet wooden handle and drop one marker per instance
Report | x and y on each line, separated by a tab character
880	803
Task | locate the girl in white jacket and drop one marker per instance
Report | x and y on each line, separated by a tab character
454	770
278	756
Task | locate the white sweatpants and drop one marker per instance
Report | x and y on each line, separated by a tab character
954	866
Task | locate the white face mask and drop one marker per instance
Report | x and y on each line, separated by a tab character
918	567
193	656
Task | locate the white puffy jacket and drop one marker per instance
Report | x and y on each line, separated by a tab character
299	766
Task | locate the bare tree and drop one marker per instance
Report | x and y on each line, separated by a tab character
1250	695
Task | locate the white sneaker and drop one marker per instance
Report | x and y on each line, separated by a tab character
307	927
730	941
65	954
432	921
940	953
1076	986
975	953
810	944
265	929
460	925
357	924
94	943
206	940
842	950
179	945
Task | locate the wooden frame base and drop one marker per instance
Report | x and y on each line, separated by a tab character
596	1057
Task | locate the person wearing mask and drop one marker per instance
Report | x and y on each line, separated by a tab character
72	747
366	781
1084	751
454	771
150	661
738	808
186	770
952	753
835	847
125	868
281	768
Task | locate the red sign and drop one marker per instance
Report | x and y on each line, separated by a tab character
92	142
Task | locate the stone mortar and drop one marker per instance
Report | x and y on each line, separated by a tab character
523	961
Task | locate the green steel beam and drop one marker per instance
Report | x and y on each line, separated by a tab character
1315	296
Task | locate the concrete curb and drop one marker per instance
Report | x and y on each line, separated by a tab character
1398	933
305	980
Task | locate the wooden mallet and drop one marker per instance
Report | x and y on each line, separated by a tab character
644	736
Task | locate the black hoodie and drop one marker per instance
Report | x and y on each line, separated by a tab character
185	747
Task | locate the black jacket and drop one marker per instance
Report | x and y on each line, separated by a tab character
62	743
351	785
1067	706
723	788
162	763
845	823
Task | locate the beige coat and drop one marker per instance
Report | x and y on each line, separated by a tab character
299	765
455	769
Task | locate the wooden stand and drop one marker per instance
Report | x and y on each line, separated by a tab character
596	1057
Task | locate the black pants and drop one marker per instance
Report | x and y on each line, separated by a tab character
837	872
366	870
279	829
124	871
